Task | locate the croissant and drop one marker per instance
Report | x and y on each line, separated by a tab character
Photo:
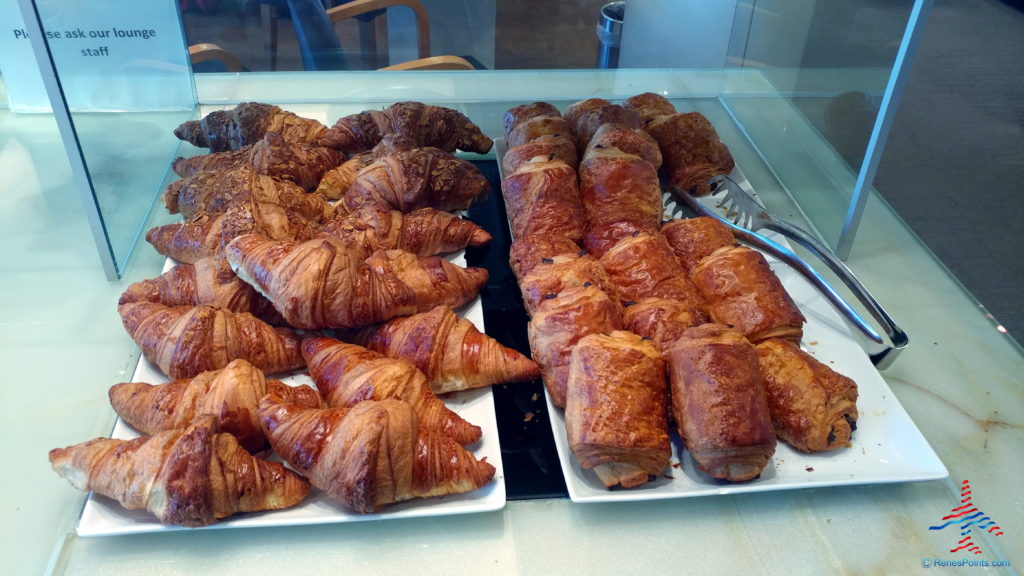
813	407
559	323
232	394
371	455
434	126
184	341
326	283
186	477
528	251
643	266
450	350
299	163
740	289
424	232
214	192
543	197
336	181
246	124
523	112
693	239
209	281
616	410
419	178
206	234
620	187
719	402
347	374
550	147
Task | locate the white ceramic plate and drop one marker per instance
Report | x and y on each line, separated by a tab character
103	516
886	447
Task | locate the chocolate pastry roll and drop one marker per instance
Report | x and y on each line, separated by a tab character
576	109
600	239
543	197
620	187
813	408
628	140
538	126
513	116
616	418
740	289
649	106
663	320
553	275
719	402
589	121
643	266
692	239
549	146
530	250
559	323
692	151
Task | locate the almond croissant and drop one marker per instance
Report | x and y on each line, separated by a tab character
347	374
429	125
206	234
209	281
246	124
371	455
424	232
419	178
299	163
187	477
326	283
184	341
450	350
214	191
232	394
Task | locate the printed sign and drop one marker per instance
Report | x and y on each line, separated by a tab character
108	55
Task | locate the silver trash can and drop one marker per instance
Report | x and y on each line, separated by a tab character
609	33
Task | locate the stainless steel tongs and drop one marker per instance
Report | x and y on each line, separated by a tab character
745	216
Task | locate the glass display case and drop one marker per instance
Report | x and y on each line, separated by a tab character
803	94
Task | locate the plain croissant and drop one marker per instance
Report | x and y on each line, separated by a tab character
448	349
419	178
326	283
215	191
371	455
347	374
184	341
209	281
429	125
206	234
232	394
424	232
246	124
187	477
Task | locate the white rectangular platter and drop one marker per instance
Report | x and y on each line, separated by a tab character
103	516
886	447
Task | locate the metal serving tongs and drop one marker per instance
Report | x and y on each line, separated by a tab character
748	216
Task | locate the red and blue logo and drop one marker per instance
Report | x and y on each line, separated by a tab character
969	518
